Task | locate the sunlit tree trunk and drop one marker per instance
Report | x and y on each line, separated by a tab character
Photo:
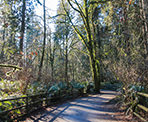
87	39
52	56
145	25
2	51
66	63
66	54
95	70
22	26
44	42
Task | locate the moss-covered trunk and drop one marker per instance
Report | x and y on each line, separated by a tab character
95	69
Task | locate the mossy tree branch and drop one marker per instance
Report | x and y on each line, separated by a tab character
11	66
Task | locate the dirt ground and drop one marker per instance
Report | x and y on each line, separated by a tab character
94	108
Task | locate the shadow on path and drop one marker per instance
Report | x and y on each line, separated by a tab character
94	108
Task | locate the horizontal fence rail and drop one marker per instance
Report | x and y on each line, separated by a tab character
142	98
24	105
20	105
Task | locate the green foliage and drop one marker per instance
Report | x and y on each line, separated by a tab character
62	85
77	85
36	87
54	90
8	87
90	87
111	85
137	88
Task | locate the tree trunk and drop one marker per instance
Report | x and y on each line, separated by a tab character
2	51
66	63
44	43
52	71
22	26
52	63
95	72
52	53
73	71
145	26
87	39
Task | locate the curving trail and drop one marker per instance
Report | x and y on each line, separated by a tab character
94	108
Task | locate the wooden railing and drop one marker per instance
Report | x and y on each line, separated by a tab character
26	104
142	106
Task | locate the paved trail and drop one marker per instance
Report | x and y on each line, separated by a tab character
94	108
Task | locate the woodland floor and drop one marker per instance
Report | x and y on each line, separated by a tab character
94	108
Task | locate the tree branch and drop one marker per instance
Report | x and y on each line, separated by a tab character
99	1
74	27
11	66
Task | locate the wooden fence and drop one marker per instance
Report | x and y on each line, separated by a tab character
24	105
142	107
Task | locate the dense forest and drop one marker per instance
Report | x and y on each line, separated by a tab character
95	44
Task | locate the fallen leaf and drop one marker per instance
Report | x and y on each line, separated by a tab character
36	53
